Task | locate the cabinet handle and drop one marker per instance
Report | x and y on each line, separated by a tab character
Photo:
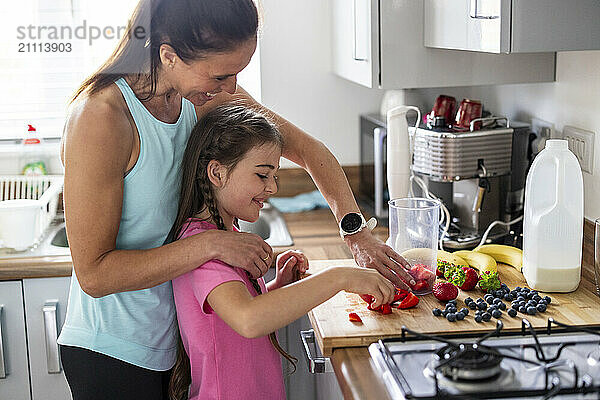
473	13
358	54
51	333
2	366
316	365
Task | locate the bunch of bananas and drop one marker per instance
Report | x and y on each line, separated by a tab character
485	257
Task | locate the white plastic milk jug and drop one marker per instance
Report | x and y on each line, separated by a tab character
553	221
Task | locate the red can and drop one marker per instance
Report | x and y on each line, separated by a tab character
467	112
444	107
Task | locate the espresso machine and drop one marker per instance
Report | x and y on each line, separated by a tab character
479	175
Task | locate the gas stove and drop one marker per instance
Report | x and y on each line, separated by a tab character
560	362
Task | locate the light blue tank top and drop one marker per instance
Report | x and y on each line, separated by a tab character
138	327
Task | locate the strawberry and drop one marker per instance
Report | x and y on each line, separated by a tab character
420	285
471	279
420	272
386	309
367	297
444	291
410	301
400	294
353	317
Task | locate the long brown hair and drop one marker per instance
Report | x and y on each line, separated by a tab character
193	28
225	134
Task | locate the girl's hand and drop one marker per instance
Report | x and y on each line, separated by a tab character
368	281
290	264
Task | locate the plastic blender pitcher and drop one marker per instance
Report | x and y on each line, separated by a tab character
414	230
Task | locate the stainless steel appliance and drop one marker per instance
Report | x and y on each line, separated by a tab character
479	175
561	362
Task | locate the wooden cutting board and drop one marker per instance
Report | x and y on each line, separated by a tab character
333	329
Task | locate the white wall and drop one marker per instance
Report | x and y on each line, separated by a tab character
297	81
574	99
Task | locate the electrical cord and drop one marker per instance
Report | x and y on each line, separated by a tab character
445	213
489	228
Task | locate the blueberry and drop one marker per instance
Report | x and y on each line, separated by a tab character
515	307
542	301
508	297
482	306
452	301
496	314
468	300
502	306
531	310
522	310
526	289
451	317
531	303
445	313
537	297
520	298
464	310
541	307
478	318
486	316
512	312
497	301
504	286
499	293
522	303
490	300
437	312
547	299
473	305
518	288
530	295
460	316
452	309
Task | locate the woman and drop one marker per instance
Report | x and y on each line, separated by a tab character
123	143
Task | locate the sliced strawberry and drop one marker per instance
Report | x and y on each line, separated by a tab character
386	309
353	317
420	285
367	297
410	301
400	294
420	272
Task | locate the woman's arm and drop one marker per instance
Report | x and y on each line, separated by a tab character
326	172
258	316
98	148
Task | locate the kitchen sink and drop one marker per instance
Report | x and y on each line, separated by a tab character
270	226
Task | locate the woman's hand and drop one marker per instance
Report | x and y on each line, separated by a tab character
244	250
370	252
368	281
290	265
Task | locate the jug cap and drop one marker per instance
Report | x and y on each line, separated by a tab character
557	144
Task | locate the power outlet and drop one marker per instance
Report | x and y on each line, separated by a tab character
581	143
544	130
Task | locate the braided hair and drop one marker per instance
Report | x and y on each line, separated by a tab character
225	134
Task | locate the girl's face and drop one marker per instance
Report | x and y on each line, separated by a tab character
198	81
242	191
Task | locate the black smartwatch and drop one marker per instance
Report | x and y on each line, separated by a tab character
354	222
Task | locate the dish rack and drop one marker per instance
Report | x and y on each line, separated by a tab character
28	205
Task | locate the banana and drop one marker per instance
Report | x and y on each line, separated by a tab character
480	261
505	254
451	258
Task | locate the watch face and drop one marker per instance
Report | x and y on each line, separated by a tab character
351	222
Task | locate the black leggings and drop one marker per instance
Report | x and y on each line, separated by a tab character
95	376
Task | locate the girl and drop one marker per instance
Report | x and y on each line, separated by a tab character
226	319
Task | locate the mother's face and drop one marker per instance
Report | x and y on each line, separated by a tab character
198	81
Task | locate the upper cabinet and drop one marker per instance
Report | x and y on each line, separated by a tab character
379	44
512	26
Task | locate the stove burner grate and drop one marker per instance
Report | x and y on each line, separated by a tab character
470	362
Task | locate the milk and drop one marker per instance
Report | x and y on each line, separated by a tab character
553	220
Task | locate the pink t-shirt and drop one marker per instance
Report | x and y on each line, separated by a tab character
224	364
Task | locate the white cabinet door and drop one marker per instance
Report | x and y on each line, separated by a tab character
397	58
355	40
512	26
45	309
14	372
